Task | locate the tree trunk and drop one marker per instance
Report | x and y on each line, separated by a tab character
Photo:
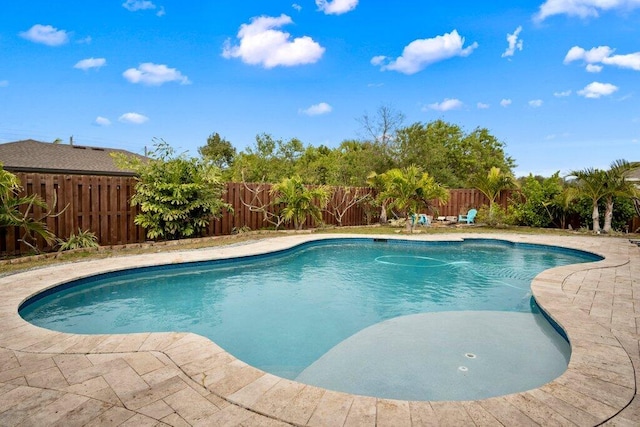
383	213
595	216
409	224
608	215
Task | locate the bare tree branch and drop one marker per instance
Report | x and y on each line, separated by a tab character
383	126
350	197
258	204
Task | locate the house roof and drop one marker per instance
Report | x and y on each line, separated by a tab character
35	156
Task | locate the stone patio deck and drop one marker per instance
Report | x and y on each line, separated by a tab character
52	378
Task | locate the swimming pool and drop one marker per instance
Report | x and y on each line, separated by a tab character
291	312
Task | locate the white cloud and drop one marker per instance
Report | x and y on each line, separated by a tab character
86	64
336	7
46	34
631	60
4	83
446	105
378	60
103	121
535	103
602	55
482	106
154	75
592	56
556	136
161	11
419	54
514	43
562	94
317	109
262	44
135	5
592	68
297	7
581	8
133	118
597	90
505	102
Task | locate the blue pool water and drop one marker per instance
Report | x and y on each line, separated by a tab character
291	312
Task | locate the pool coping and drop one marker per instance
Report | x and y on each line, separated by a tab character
598	384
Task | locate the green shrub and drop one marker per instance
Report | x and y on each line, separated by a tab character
177	196
532	206
494	216
84	239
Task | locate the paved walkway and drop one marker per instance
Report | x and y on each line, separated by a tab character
52	378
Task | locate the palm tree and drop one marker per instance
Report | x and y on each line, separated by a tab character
409	189
299	201
493	183
377	182
592	184
617	185
561	204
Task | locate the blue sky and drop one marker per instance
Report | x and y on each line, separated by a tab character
557	80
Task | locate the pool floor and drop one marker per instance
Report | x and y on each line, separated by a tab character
444	356
173	378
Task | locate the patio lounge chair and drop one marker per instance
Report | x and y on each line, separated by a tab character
424	220
469	217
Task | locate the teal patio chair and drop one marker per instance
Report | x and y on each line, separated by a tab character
424	220
469	217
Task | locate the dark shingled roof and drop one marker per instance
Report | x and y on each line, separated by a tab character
36	156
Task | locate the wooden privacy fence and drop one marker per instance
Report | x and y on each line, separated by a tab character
461	200
101	205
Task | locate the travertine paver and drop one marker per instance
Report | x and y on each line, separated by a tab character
182	379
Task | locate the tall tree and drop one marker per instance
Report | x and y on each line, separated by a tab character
616	184
355	160
268	160
219	151
476	152
381	127
427	145
317	165
592	183
448	154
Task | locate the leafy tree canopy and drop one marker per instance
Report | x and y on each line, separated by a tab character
268	160
219	151
450	155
